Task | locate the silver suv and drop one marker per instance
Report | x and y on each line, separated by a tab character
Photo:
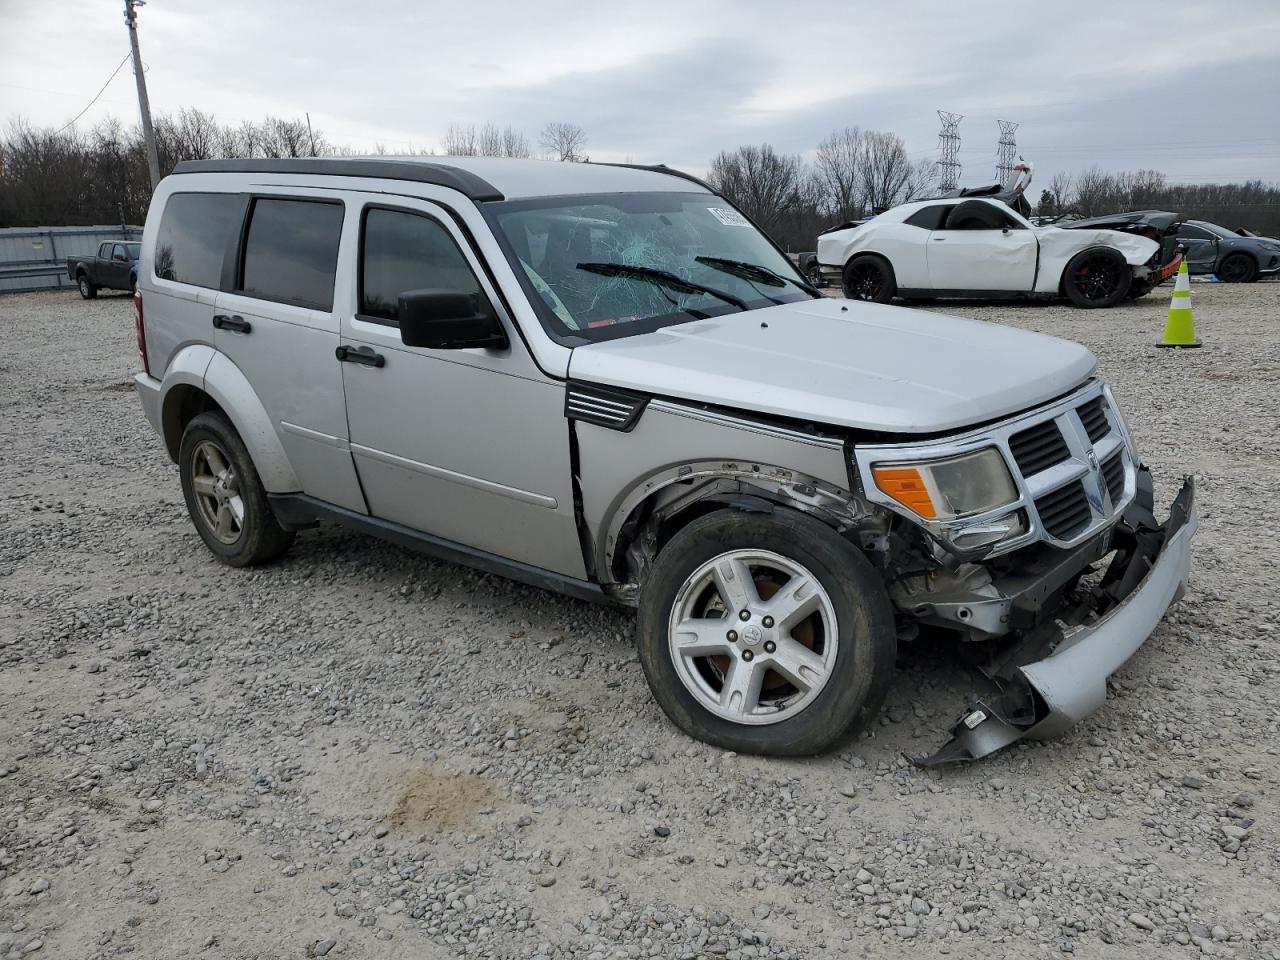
606	381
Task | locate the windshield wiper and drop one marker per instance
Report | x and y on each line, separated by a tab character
757	273
662	277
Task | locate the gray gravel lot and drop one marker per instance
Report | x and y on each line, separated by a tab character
361	752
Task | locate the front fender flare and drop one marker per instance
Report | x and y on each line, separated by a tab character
764	485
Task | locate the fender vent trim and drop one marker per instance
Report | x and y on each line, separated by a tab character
603	406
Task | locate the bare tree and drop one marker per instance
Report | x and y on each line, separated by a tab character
1063	188
488	140
764	184
563	141
887	173
837	168
461	141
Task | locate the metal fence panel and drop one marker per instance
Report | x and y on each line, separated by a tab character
35	258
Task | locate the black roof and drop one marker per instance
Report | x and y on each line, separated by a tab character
419	171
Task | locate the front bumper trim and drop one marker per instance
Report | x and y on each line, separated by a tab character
1071	682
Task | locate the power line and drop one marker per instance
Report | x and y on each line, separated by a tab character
98	94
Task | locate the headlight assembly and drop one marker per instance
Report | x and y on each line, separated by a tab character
948	488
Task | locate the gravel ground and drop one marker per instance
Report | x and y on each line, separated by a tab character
361	752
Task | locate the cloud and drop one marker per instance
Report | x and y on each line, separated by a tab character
1180	87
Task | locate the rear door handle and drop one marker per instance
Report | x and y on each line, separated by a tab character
236	323
362	355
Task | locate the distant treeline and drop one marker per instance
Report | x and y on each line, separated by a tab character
74	177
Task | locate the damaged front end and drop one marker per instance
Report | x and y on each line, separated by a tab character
1054	672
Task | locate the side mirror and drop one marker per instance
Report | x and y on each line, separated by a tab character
448	320
120	258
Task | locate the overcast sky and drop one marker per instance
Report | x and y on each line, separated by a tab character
1190	88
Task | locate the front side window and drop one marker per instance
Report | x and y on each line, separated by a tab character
291	251
193	235
407	251
1188	232
580	259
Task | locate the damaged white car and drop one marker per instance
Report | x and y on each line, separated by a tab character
975	245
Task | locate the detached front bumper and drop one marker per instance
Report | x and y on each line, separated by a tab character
1041	698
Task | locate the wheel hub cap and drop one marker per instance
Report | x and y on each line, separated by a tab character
753	636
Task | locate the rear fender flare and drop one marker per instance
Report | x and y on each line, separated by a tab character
229	388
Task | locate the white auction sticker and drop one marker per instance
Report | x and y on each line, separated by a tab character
730	218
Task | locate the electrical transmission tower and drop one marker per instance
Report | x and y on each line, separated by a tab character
949	150
1008	152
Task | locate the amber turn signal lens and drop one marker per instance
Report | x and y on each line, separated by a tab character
905	485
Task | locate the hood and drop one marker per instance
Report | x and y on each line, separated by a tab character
846	363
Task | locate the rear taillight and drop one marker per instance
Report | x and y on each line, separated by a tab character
142	334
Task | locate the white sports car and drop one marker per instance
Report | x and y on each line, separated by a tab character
978	246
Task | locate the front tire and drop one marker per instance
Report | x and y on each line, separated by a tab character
766	634
869	277
814	276
87	290
224	495
1097	278
1237	268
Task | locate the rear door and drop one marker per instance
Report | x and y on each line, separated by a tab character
980	256
275	319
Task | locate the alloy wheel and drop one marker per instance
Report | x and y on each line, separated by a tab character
753	636
1097	278
217	492
865	281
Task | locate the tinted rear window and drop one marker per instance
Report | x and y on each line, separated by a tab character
291	251
194	230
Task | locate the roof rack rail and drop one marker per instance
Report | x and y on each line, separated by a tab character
439	174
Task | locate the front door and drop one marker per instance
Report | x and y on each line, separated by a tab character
470	446
1201	248
119	267
983	257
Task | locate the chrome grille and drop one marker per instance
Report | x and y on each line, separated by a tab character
1094	417
1038	448
1069	460
1065	511
1113	476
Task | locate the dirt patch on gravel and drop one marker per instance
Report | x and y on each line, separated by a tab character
433	799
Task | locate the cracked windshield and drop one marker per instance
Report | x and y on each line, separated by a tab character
641	261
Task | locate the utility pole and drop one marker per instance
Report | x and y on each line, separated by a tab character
144	105
311	135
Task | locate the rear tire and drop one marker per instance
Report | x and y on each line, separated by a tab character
224	495
1237	268
814	276
87	290
799	687
869	277
1096	278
